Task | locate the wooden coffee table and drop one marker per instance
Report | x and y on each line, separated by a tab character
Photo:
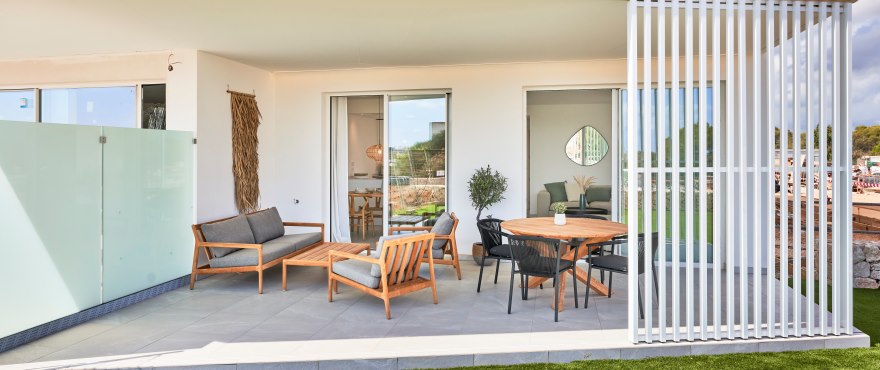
319	256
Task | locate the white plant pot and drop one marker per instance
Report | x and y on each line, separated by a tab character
559	219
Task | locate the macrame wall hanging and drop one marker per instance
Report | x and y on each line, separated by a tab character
245	159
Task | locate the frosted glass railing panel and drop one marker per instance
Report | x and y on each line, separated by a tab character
50	222
148	198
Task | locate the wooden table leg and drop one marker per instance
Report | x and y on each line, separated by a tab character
592	282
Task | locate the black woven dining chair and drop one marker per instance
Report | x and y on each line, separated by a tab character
493	246
542	257
615	263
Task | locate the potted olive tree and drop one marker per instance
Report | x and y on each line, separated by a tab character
486	188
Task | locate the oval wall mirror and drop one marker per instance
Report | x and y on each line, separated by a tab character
586	147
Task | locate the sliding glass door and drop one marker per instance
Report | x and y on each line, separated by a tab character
415	161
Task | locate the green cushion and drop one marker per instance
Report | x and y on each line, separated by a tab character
599	194
557	192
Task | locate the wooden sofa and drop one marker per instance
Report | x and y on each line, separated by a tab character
252	242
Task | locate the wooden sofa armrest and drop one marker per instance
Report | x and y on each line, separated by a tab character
333	253
228	245
305	224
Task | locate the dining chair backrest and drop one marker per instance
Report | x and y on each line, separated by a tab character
537	256
617	242
490	232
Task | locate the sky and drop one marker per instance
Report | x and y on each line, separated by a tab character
866	63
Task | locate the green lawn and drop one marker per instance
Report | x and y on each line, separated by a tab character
855	358
865	303
682	224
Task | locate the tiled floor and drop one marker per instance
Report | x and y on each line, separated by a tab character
224	315
226	308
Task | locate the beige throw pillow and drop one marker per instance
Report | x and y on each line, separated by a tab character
573	191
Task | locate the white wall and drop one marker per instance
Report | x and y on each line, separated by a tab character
92	70
487	126
214	175
554	116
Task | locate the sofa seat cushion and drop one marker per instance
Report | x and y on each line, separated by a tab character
266	225
272	250
437	253
359	271
601	204
233	230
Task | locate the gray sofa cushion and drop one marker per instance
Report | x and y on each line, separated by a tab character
443	226
272	250
600	204
233	230
266	225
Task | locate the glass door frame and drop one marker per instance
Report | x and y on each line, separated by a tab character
386	189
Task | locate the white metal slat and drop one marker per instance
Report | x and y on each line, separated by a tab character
756	137
632	200
836	185
676	174
796	178
810	219
646	176
689	164
846	77
741	184
703	209
770	180
716	159
823	168
729	162
783	177
661	174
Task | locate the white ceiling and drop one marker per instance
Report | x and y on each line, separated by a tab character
290	35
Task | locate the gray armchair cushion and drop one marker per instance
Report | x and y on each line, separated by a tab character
443	226
266	225
233	230
272	250
359	271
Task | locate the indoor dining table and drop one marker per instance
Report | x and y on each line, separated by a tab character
587	231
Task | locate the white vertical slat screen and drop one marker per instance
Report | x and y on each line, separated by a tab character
734	109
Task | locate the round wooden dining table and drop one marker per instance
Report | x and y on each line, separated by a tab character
588	231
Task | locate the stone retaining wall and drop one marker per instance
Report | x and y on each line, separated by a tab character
866	264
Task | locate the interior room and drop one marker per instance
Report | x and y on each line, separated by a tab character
571	133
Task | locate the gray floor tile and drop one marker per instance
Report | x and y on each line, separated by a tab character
435	362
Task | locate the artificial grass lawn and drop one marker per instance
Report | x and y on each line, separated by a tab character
853	358
865	303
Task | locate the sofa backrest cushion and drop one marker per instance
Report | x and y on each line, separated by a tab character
601	193
443	226
266	225
557	192
233	230
573	191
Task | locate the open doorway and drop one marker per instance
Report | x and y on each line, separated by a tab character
571	133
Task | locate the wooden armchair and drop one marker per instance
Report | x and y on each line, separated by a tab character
439	251
394	273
